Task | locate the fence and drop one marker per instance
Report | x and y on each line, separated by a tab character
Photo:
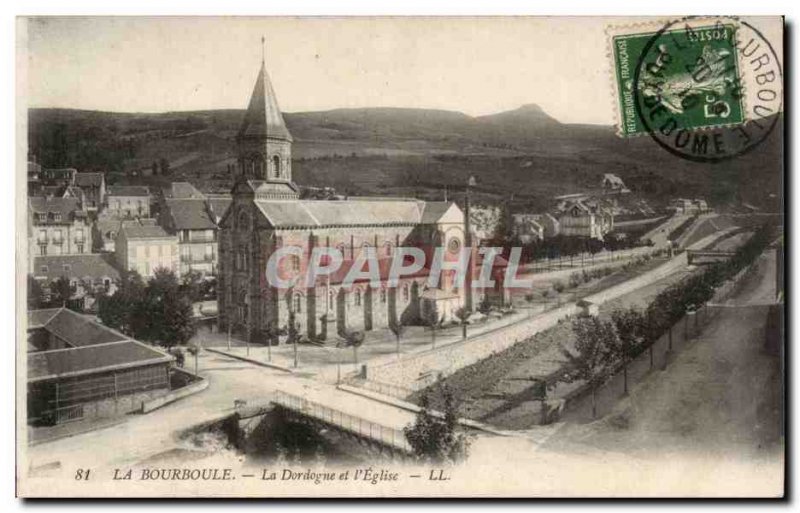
390	389
391	437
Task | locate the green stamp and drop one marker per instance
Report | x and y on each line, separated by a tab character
679	79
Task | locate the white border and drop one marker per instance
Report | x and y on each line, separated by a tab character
311	7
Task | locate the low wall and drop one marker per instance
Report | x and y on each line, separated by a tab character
197	386
423	369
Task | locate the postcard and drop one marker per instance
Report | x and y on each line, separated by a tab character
387	257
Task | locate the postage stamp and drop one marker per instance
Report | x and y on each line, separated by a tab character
695	77
705	89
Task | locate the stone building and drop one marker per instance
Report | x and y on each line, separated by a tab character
80	369
266	214
143	246
58	226
128	201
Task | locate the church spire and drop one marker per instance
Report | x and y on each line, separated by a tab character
263	118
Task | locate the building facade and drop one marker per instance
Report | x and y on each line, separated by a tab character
58	226
128	201
266	215
143	246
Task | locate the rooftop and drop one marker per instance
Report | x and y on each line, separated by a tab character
93	347
92	265
128	190
189	214
143	229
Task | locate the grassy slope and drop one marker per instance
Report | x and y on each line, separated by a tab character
407	151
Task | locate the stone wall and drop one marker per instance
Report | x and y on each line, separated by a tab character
420	370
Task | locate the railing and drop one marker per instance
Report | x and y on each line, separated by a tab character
392	390
66	413
386	435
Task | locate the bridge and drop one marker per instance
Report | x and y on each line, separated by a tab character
707	256
386	437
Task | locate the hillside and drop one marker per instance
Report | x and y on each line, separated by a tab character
523	153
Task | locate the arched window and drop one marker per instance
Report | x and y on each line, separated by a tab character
331	299
387	248
357	297
297	303
276	166
244	220
294	263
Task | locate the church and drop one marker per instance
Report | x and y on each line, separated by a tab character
267	214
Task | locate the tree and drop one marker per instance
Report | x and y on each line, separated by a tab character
164	165
627	344
354	339
588	363
60	291
435	438
192	285
463	314
433	322
397	327
177	325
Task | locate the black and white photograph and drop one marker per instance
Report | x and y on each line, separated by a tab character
400	257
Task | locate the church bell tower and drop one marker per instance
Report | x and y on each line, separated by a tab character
264	144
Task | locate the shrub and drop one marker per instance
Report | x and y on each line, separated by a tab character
559	286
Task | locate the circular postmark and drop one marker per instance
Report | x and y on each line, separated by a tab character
707	89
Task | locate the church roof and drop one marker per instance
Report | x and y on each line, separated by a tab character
353	212
263	117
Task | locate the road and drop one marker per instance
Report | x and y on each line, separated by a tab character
720	397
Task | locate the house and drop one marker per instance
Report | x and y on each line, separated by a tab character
613	182
689	206
581	220
59	176
196	230
104	231
89	276
93	186
527	228
143	246
78	368
128	201
58	226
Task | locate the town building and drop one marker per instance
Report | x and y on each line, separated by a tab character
58	226
526	228
689	206
58	176
266	214
613	182
128	201
193	224
80	369
90	276
93	186
143	246
580	220
104	232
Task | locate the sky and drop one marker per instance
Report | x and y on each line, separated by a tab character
475	66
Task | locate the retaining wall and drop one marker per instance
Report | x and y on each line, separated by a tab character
158	402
